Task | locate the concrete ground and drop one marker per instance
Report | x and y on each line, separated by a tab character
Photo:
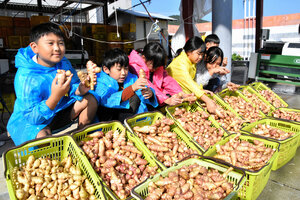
283	183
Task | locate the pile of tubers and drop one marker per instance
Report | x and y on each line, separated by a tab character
162	142
243	154
227	119
270	97
268	131
198	125
288	115
117	161
44	178
243	108
191	182
265	108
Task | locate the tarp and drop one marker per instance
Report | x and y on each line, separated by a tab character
201	8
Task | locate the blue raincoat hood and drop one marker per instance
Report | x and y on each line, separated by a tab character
33	87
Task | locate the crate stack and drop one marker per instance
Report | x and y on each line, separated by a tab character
129	35
6	29
15	31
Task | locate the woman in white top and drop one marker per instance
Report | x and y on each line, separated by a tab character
211	73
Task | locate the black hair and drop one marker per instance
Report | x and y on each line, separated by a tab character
115	56
213	53
155	52
212	38
192	44
43	29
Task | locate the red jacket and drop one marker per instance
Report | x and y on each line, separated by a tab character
163	84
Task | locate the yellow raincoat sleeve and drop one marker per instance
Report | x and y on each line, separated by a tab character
184	71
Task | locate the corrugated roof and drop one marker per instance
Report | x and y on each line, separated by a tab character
145	15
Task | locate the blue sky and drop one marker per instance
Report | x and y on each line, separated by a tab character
271	7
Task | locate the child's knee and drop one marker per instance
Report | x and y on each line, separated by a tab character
44	132
90	100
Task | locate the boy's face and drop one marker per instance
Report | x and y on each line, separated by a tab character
117	72
211	44
50	49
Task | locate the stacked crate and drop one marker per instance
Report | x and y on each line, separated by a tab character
128	35
99	33
6	29
112	36
21	32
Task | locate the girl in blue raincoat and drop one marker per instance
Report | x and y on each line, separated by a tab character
120	93
42	104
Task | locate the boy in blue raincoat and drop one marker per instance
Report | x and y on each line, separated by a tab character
44	101
121	93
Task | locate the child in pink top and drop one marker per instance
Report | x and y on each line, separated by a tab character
152	61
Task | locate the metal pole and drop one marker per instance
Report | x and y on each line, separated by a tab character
259	17
253	19
187	15
222	26
244	37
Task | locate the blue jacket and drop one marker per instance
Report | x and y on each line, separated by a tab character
33	87
109	95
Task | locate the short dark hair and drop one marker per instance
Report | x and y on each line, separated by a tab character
43	29
115	56
155	52
193	44
212	38
213	53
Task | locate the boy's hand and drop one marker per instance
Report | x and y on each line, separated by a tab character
59	88
140	83
82	89
147	93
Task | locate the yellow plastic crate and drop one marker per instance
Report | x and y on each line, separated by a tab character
227	92
251	90
218	100
288	147
56	148
150	118
255	180
192	108
81	135
236	176
260	86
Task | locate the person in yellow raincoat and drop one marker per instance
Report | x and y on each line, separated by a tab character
183	70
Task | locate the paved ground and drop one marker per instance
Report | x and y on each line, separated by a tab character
283	183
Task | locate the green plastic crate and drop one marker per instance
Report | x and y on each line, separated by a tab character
288	147
260	86
218	100
56	148
251	90
192	108
288	110
141	191
149	118
255	180
81	135
227	92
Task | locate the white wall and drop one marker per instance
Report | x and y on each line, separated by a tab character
243	43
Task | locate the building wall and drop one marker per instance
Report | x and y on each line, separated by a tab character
282	28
